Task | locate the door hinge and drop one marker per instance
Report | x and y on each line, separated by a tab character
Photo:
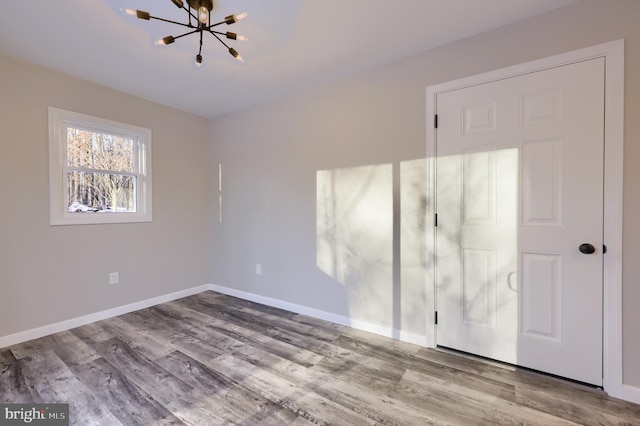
604	249
435	220
435	121
436	318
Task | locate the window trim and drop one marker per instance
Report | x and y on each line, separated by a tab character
59	120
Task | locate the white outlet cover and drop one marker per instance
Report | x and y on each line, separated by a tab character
114	278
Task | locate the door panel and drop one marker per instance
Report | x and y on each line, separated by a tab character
542	289
541	188
519	186
479	287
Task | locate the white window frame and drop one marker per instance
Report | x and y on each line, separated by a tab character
59	121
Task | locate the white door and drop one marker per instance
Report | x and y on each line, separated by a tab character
519	189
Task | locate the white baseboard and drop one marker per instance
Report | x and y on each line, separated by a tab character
631	393
36	333
324	315
46	330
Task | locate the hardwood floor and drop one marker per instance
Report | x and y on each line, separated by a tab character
212	359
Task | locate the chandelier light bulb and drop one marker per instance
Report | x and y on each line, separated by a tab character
165	40
198	60
235	54
141	14
234	36
232	19
203	15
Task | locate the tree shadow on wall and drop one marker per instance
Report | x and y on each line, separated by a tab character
370	224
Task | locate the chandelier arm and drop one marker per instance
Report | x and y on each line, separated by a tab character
191	14
186	34
188	9
219	39
215	25
171	22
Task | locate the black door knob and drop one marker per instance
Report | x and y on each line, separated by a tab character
587	248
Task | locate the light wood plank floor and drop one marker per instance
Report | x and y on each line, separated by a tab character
212	359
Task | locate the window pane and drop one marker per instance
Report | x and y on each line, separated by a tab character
99	151
100	192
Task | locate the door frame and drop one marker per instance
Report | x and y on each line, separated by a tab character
613	52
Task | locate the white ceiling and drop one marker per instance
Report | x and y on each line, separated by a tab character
293	44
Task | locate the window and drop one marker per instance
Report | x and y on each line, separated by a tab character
99	170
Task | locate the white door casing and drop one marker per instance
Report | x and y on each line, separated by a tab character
613	54
518	189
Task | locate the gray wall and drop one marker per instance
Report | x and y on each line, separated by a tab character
54	273
313	181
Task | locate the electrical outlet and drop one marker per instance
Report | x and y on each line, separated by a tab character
258	269
114	278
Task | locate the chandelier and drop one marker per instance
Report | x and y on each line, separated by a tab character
199	22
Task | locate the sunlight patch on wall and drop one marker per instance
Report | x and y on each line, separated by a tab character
354	227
